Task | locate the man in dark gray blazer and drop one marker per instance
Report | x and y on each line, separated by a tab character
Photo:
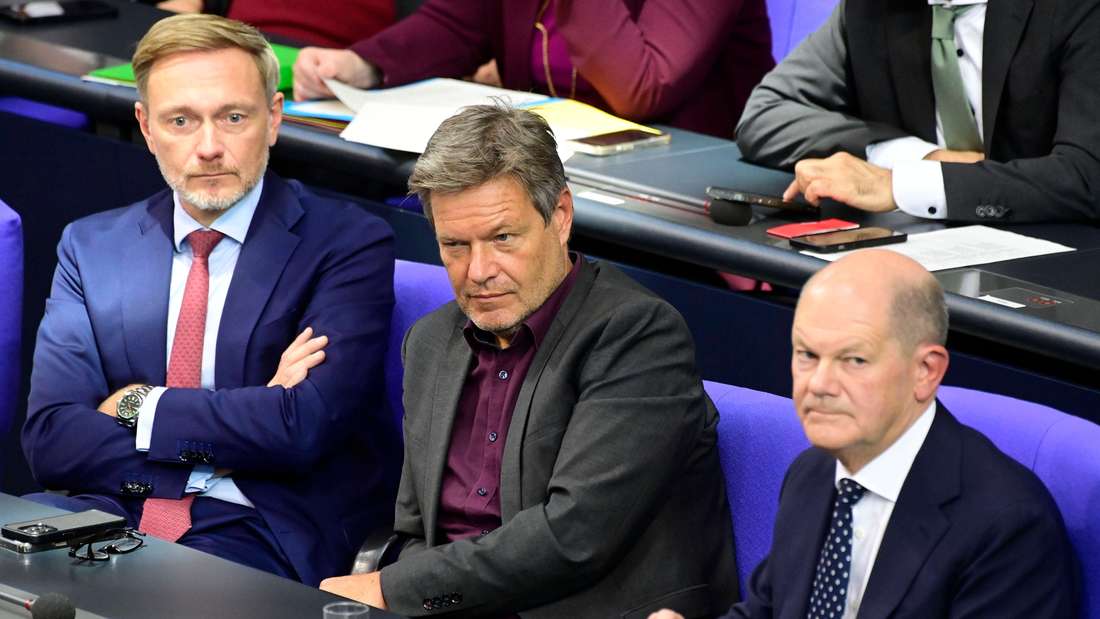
957	109
898	510
560	452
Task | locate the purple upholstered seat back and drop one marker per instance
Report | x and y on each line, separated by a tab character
794	20
758	437
43	111
11	310
419	289
1063	450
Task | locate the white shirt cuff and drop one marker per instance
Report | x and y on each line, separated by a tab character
891	153
918	189
143	436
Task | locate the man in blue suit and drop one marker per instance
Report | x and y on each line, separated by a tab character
898	510
169	385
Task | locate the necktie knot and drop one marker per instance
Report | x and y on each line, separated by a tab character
203	242
943	20
850	492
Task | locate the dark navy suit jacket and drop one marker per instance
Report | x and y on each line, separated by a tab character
307	457
973	534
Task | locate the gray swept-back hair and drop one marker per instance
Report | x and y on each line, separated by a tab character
485	142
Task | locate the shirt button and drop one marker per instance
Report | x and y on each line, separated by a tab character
960	53
858	533
492	437
503	375
482	492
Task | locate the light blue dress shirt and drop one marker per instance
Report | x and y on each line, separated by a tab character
234	225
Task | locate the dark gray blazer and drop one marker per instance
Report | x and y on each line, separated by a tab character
865	77
973	534
612	497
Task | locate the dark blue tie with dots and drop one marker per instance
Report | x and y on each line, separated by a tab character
830	590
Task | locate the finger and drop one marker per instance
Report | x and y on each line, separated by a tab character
818	189
307	80
295	354
297	372
792	190
292	354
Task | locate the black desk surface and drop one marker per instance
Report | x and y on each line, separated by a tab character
685	167
159	580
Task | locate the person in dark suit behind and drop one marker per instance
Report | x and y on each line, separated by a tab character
961	109
560	450
167	367
898	510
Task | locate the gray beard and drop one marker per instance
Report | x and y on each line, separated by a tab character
204	203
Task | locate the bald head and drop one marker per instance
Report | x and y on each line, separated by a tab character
867	353
885	282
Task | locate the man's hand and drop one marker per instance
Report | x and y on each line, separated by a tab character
846	179
110	405
316	64
665	613
365	588
955	156
303	354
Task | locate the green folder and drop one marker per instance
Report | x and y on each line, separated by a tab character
124	73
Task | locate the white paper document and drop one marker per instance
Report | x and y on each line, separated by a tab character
953	248
404	118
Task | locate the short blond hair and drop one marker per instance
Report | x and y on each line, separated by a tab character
200	33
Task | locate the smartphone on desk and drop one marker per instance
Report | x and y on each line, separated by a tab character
618	141
832	242
62	528
41	12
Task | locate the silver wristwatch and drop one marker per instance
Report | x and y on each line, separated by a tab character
130	405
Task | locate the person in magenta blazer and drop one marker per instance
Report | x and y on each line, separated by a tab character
689	64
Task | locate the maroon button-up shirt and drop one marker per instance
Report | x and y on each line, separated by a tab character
469	502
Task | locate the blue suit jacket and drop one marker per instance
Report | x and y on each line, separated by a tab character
973	534
313	459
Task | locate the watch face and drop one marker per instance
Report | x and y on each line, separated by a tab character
128	406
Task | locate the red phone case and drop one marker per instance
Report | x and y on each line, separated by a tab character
789	231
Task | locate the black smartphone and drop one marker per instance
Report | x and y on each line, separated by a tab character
755	199
51	12
848	239
61	528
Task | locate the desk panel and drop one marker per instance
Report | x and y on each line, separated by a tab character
161	580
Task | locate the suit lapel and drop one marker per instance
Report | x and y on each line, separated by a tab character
449	380
1004	26
143	286
264	255
804	536
917	523
511	495
909	39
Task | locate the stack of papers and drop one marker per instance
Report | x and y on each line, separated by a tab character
954	248
404	118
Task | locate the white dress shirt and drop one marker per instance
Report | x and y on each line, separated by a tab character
234	224
883	478
918	184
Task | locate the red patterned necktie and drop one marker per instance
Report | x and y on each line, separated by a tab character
169	519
